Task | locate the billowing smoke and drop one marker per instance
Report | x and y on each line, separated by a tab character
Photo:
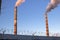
52	5
19	2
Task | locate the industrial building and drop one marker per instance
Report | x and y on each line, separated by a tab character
29	37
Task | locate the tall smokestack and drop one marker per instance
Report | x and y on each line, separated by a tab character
47	29
51	5
15	20
15	15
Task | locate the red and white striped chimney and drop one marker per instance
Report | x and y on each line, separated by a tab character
15	20
47	29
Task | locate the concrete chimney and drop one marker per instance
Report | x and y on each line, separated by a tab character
15	15
15	20
47	29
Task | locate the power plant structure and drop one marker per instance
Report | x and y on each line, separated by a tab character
46	20
15	15
15	20
52	4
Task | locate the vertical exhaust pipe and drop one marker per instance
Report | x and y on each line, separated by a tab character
47	29
53	4
18	2
15	20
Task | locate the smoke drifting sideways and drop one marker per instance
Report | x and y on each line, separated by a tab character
53	4
19	2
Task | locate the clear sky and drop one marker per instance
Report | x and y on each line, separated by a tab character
30	17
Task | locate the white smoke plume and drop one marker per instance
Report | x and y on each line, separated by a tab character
19	2
52	5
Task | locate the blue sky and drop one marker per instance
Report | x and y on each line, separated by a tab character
30	16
